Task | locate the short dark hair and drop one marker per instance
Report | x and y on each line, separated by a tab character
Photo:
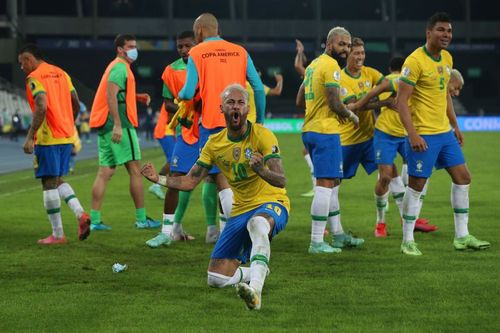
437	17
356	41
120	40
396	63
31	49
186	34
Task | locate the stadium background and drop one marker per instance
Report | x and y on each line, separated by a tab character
371	289
77	35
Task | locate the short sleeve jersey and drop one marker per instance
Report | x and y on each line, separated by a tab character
388	121
322	72
357	87
118	76
429	77
252	112
44	134
232	156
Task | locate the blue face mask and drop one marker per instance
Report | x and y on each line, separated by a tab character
132	54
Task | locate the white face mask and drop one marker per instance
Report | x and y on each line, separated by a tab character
132	54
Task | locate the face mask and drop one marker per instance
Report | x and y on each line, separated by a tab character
132	54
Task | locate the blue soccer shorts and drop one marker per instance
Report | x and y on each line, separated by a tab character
167	143
386	147
184	156
359	153
52	161
326	154
443	152
235	242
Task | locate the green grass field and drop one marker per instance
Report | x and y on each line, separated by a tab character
375	288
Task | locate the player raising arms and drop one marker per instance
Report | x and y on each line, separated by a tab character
426	111
249	156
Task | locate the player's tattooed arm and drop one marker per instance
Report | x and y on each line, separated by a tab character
272	172
336	105
365	102
38	117
182	183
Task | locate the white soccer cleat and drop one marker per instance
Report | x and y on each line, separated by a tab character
249	296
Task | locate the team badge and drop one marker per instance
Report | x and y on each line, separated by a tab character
367	83
360	85
236	153
275	149
248	153
420	165
175	160
440	70
343	91
336	75
378	154
405	72
341	167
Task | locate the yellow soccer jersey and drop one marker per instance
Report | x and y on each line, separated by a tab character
429	77
322	73
232	156
358	86
388	121
44	135
252	112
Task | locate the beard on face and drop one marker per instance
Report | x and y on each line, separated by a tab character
340	60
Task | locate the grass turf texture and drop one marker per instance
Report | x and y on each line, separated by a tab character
374	288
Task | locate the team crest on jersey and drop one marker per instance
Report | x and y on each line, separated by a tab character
378	154
275	149
367	83
175	160
343	91
448	70
405	71
236	153
360	85
420	165
440	70
336	75
341	167
248	153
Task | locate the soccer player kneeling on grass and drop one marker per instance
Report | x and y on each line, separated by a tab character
248	156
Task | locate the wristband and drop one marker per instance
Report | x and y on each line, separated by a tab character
162	180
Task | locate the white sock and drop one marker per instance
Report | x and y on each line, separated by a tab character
422	196
68	195
397	188
210	228
177	228
222	222
411	208
217	280
381	203
258	229
226	201
334	212
52	204
319	212
460	204
309	162
168	222
404	174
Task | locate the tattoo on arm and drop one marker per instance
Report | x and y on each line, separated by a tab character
38	114
188	182
334	102
274	173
